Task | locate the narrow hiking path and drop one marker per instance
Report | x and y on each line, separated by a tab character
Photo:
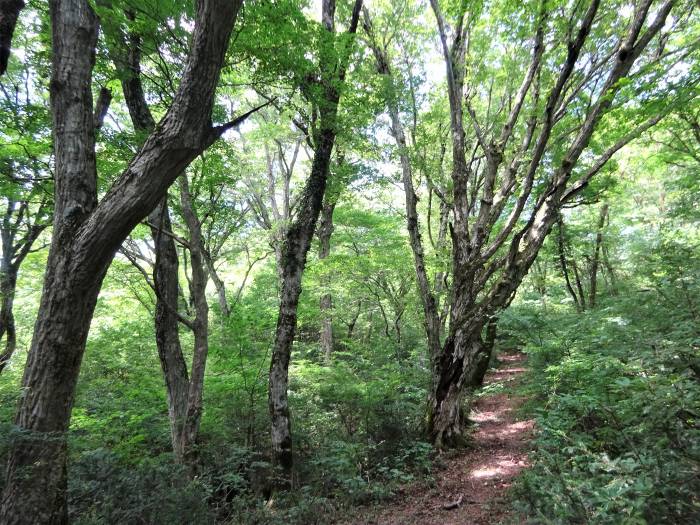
472	486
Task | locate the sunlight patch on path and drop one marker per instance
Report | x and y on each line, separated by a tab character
480	477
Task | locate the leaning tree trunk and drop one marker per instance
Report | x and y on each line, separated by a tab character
86	236
36	484
294	251
298	239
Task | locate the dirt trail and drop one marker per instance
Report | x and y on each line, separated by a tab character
477	478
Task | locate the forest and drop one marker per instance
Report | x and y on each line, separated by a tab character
349	262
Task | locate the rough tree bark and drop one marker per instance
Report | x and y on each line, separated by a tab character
484	281
488	346
25	218
300	233
200	326
86	236
127	57
166	321
9	12
462	347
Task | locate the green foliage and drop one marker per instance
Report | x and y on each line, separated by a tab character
106	490
618	429
615	389
617	397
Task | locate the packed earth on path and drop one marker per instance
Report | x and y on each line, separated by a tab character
471	486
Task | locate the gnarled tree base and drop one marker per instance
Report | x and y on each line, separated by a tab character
461	369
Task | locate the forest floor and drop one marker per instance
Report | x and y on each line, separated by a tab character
471	487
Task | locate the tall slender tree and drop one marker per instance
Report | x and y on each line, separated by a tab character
428	300
125	50
324	90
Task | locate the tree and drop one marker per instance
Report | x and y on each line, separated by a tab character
429	302
325	90
184	388
583	288
87	234
340	175
274	203
126	52
497	232
325	231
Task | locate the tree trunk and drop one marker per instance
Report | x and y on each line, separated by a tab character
36	477
15	247
86	236
165	271
561	250
184	393
596	256
579	284
172	361
9	12
298	240
294	251
8	284
190	429
477	294
325	231
488	346
353	321
610	271
218	284
462	349
540	277
457	369
431	317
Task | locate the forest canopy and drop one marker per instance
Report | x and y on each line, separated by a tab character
274	261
